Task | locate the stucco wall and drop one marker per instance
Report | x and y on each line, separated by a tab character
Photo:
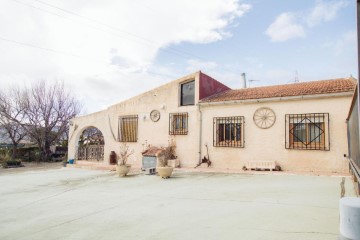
260	144
269	144
166	100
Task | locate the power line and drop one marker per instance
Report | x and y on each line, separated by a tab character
65	17
42	48
54	51
169	49
31	6
155	10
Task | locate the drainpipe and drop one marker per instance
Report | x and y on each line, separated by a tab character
200	134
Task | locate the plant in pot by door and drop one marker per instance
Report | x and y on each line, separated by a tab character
122	168
64	162
163	169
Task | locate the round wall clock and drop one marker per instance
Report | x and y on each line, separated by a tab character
264	117
155	115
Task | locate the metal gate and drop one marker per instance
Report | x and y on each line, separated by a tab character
91	152
354	139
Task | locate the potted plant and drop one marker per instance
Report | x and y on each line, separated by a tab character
64	162
163	169
122	168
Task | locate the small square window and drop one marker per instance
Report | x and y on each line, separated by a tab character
229	131
178	124
307	131
187	92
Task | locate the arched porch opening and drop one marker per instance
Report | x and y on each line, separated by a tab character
91	145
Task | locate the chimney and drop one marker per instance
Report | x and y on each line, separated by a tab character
243	77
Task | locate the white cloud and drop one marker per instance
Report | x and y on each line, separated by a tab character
118	49
285	28
290	25
345	43
324	11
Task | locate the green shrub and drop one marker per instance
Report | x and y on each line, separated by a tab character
11	163
5	156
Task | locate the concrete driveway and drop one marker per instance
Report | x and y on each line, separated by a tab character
83	204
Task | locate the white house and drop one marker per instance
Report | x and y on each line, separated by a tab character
300	126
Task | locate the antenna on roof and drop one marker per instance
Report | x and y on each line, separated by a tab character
243	77
253	80
296	77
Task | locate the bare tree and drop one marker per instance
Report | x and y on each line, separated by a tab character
11	113
47	110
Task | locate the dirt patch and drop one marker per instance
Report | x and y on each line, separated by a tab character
32	166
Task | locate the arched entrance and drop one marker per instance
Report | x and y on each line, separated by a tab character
91	145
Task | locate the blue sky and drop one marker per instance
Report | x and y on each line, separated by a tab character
327	50
106	52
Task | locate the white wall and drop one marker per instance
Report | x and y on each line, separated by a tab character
260	144
269	144
149	132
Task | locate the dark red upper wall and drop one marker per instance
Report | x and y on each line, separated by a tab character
209	86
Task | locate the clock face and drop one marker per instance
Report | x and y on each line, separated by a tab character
155	115
264	117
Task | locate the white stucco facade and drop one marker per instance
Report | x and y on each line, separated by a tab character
165	99
259	144
269	144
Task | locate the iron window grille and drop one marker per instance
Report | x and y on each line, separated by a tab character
128	128
178	124
228	132
308	131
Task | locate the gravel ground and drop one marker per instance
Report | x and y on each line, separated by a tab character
31	166
76	204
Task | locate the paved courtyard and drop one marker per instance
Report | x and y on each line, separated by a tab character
83	204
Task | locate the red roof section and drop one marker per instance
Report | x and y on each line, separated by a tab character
152	152
208	86
295	89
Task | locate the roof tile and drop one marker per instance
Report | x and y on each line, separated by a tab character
295	89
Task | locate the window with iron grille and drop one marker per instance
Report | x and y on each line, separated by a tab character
178	123
128	128
307	131
229	131
187	93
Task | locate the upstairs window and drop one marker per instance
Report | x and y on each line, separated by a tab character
229	132
178	124
187	93
128	128
307	131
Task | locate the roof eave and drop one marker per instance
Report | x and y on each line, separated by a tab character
274	99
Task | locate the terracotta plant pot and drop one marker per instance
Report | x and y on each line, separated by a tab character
123	170
165	172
